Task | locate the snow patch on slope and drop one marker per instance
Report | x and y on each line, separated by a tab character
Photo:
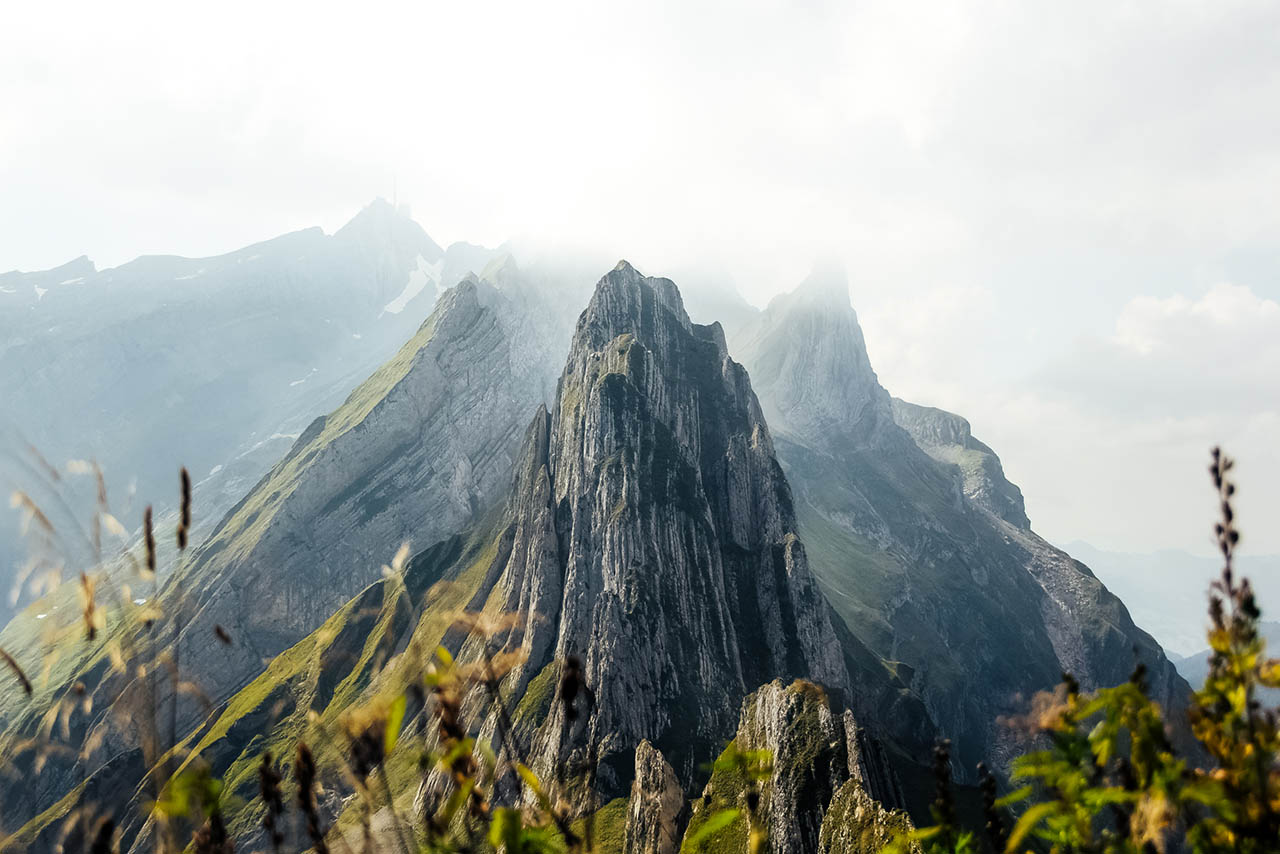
421	275
304	379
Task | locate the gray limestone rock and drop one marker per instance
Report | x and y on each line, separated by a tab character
654	540
817	755
656	806
920	542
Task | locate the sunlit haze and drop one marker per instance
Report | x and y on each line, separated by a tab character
1059	221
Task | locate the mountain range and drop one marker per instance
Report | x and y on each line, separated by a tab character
1167	591
213	363
735	531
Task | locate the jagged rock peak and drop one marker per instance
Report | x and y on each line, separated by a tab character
656	809
652	535
827	284
80	266
816	753
383	224
624	295
856	823
809	364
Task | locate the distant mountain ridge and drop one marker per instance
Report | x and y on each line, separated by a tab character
1168	592
212	363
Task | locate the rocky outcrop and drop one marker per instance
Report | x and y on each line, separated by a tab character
920	542
818	759
656	807
948	439
856	823
652	537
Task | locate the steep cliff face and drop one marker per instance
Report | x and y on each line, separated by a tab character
948	439
654	538
215	364
817	753
417	450
919	540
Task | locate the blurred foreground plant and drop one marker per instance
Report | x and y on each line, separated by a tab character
1110	780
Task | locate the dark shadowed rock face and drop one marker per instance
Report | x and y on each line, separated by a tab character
920	542
654	539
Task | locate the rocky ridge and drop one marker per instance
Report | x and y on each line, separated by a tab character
216	364
920	542
821	761
419	450
949	440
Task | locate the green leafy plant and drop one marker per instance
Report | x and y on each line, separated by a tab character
1110	780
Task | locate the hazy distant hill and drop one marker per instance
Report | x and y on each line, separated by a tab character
213	363
1167	592
1194	668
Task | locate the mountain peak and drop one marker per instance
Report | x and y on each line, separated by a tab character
808	362
80	266
378	210
381	223
650	427
624	300
827	284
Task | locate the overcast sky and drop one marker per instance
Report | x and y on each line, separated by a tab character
1060	220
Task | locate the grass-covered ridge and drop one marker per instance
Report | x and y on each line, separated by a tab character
366	653
246	523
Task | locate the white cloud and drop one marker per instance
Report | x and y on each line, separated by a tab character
1110	440
1234	314
911	137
